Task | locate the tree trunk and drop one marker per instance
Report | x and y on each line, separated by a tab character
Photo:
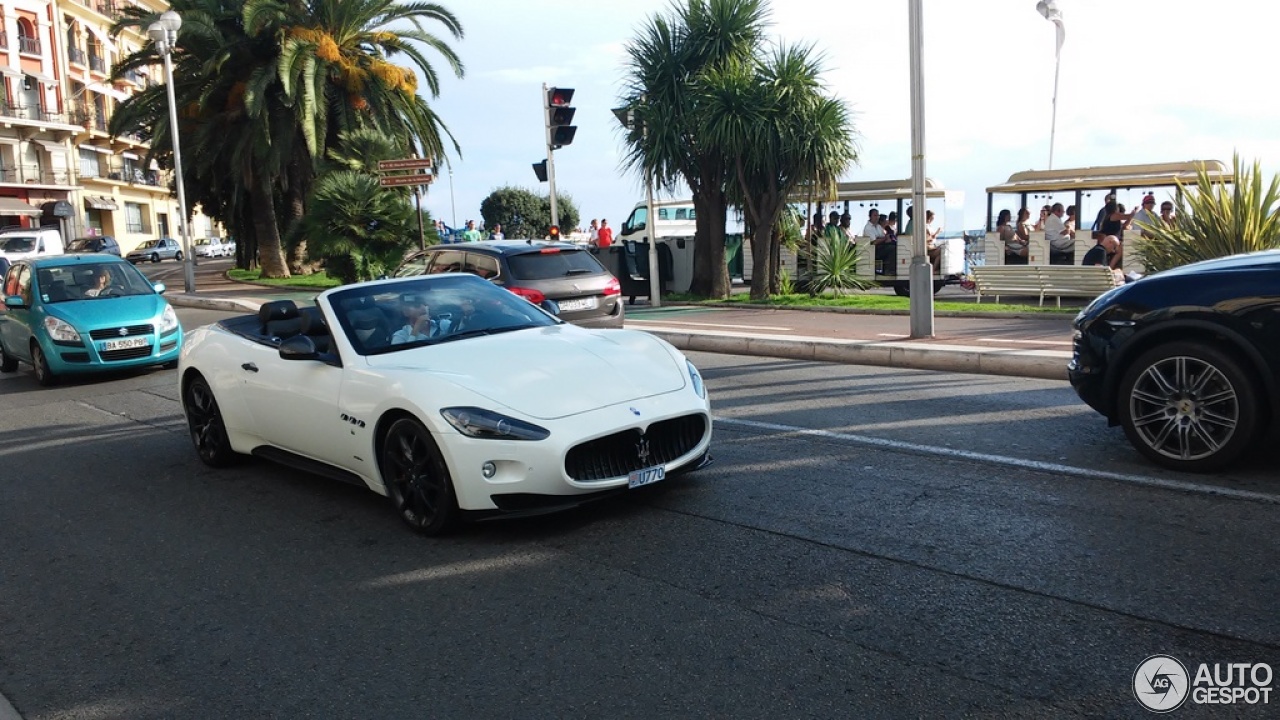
762	268
270	254
294	207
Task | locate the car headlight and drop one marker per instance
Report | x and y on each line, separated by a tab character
168	320
696	378
480	423
60	331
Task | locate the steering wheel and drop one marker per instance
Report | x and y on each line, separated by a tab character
113	291
453	313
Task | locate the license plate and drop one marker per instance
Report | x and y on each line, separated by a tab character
588	303
646	476
126	343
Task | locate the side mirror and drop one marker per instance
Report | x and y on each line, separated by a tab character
14	301
298	347
159	288
550	306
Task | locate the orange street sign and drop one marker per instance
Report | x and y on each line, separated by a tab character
400	180
405	164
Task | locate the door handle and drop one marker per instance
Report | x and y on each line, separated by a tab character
250	367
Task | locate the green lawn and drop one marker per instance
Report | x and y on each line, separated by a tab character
318	280
872	302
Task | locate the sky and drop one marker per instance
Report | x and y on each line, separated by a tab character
1140	81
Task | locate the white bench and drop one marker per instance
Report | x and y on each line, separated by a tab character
1057	281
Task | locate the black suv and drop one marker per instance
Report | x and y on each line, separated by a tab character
97	244
1186	360
567	274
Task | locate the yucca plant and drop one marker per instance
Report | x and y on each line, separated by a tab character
834	267
1216	220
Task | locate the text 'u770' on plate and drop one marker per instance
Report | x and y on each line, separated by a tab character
646	476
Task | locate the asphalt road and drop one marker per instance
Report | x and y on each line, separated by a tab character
869	543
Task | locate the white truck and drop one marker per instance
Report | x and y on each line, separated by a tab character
675	226
19	243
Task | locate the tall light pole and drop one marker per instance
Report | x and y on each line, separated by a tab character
164	33
1049	9
920	279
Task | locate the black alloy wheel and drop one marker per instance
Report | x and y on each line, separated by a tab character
44	375
8	363
204	420
417	479
1189	406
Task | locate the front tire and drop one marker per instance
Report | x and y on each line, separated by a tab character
155	257
1188	406
204	420
44	375
417	479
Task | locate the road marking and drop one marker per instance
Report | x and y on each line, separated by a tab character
712	325
1056	468
1026	342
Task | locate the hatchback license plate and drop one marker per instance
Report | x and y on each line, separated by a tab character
588	303
125	344
646	476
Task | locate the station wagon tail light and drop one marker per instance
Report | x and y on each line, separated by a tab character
60	331
613	287
534	296
480	423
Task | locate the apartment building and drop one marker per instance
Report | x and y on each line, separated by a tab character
58	164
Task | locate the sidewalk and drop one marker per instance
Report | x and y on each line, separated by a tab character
1019	345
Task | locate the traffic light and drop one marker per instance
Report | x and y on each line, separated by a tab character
540	169
553	233
560	130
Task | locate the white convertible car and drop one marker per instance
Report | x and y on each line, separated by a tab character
448	395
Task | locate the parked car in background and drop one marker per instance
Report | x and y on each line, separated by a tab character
1187	360
156	250
447	395
211	248
582	290
229	247
97	244
72	314
19	243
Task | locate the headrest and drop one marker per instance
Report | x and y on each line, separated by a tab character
313	322
277	310
365	319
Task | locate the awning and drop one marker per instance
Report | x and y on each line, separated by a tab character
95	148
11	72
51	146
99	202
102	36
108	91
131	156
14	206
47	80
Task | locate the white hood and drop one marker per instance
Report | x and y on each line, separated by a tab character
527	370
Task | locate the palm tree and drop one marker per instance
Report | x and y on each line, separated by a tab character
667	63
781	132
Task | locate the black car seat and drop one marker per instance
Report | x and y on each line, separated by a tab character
279	319
315	327
370	327
57	291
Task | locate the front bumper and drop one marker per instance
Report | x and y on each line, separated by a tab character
89	355
1087	372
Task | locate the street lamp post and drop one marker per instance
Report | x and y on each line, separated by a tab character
164	33
1049	9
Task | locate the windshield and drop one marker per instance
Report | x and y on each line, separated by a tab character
90	281
548	265
18	244
148	244
85	244
430	310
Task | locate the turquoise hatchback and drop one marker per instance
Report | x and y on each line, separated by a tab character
66	314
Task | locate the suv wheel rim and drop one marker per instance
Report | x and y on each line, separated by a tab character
1184	408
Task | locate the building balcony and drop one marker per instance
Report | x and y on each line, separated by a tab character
134	77
33	175
97	63
33	113
77	56
29	45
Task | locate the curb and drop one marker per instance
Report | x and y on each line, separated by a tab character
1045	364
7	711
969	314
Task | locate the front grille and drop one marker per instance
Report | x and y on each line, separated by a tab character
618	454
75	357
113	333
129	354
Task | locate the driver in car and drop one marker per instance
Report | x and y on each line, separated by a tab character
101	280
419	325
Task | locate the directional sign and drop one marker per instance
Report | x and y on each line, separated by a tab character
400	180
405	164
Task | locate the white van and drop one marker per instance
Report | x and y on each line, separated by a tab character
677	222
20	243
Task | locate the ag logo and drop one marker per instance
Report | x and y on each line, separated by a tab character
1160	683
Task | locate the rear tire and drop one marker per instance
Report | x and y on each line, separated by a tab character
1188	406
417	479
8	363
44	375
178	256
